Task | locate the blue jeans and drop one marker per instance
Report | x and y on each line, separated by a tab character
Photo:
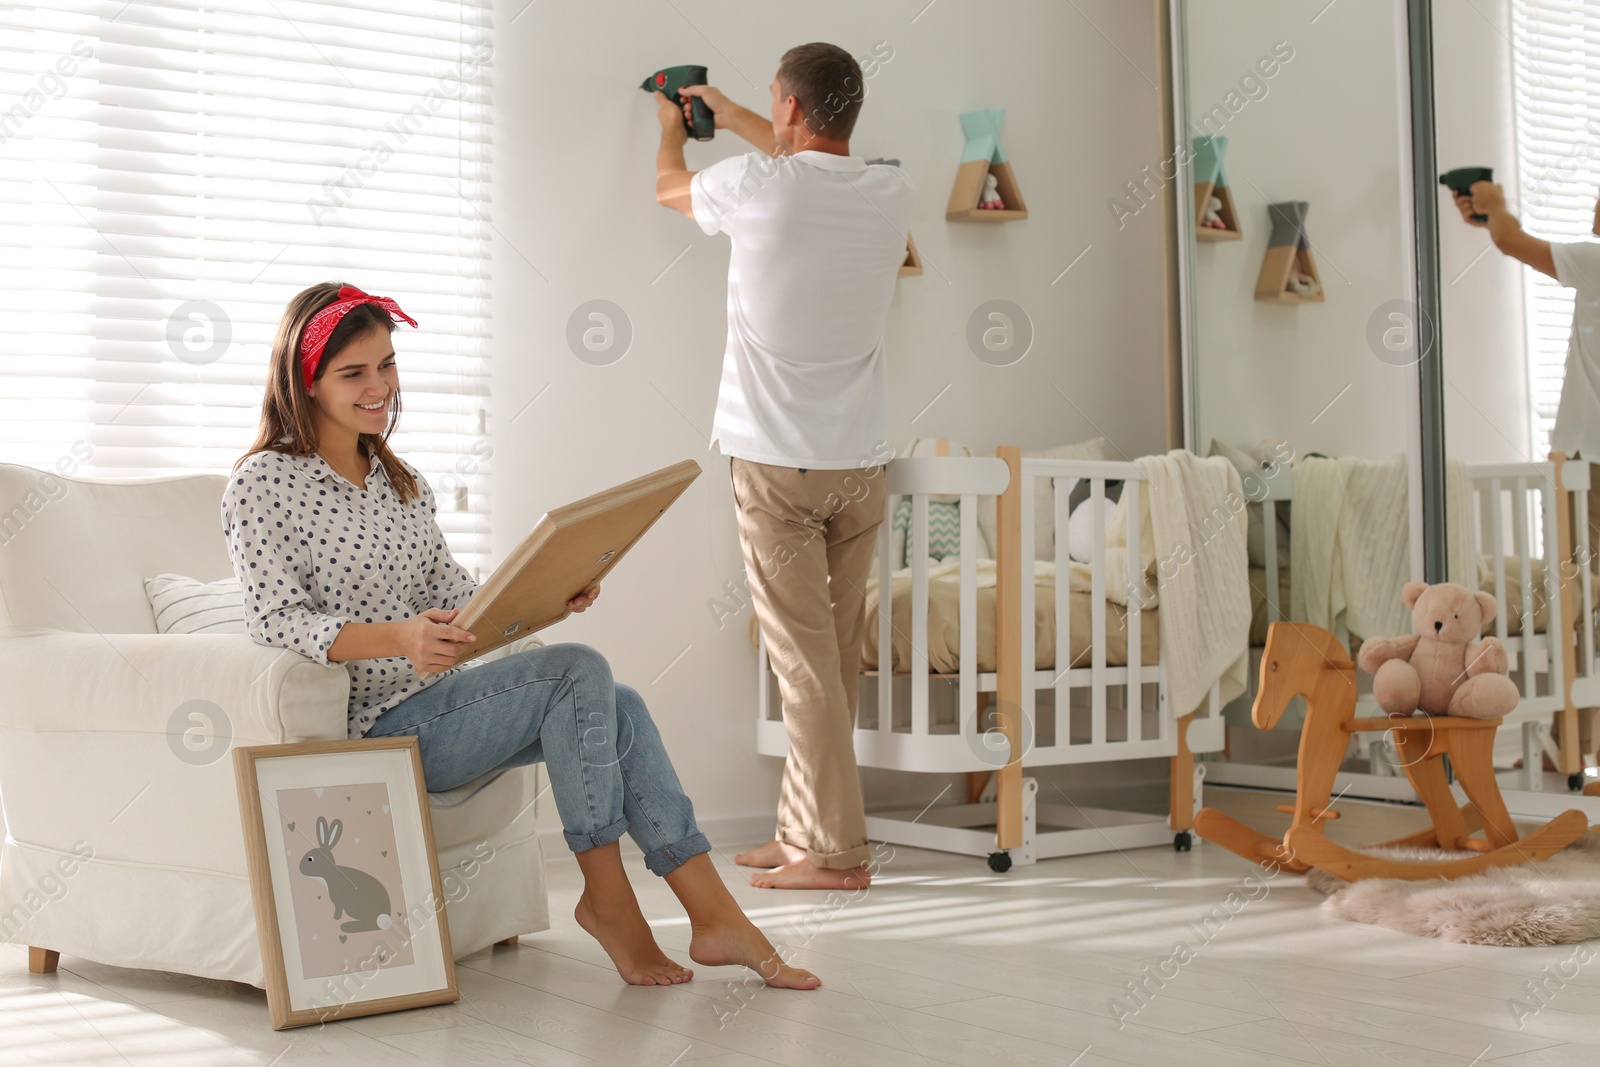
558	704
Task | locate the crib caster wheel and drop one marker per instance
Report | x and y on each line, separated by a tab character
1183	841
999	862
1575	782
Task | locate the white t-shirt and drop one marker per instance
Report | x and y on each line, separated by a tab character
818	240
1577	428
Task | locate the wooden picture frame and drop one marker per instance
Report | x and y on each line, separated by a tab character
568	550
353	816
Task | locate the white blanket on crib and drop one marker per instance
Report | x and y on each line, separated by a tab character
1192	513
1350	542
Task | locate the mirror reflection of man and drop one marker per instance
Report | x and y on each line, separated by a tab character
1576	265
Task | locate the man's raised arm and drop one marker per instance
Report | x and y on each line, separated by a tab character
1504	229
672	173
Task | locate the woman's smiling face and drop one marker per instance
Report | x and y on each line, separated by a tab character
362	373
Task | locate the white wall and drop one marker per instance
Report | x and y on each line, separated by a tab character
1328	131
574	149
1487	408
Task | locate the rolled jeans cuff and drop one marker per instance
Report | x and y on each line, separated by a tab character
668	858
598	839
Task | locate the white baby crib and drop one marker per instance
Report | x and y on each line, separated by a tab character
976	722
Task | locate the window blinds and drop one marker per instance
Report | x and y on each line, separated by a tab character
172	173
1556	70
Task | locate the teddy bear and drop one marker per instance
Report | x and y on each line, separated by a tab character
1442	668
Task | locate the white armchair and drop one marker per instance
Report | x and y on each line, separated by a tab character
122	836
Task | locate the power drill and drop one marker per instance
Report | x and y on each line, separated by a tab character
669	80
1462	179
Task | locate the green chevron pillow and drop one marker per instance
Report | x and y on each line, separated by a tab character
944	530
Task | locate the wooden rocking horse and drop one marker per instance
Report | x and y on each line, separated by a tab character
1305	660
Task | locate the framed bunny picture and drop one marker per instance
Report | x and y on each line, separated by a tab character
349	908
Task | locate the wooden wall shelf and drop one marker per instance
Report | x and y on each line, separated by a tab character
1211	179
984	156
913	263
963	206
1288	251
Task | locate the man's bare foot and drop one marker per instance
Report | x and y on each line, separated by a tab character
626	937
772	854
738	942
803	874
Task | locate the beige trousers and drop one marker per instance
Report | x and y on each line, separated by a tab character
808	537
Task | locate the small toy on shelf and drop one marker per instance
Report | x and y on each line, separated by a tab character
1213	216
990	200
1302	283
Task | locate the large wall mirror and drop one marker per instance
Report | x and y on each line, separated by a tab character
1386	378
1310	359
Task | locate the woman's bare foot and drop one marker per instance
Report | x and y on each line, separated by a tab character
772	854
736	941
626	937
803	874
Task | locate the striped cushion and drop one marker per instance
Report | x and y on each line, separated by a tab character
188	606
944	530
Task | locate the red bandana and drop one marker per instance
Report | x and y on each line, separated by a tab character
322	324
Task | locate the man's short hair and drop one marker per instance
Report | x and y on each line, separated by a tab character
826	81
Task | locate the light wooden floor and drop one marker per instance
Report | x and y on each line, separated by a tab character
942	962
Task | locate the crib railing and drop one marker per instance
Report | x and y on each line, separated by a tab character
1090	695
1278	492
969	479
1084	712
1519	503
885	737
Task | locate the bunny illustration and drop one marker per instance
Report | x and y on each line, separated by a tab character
353	892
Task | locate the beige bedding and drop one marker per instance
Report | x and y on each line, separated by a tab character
944	631
944	614
1511	601
944	627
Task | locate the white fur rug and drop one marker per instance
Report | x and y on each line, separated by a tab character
1551	902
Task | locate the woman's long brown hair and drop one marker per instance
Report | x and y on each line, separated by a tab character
287	423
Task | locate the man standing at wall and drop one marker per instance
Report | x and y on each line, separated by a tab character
818	238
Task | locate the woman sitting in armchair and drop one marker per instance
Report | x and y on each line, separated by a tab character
335	540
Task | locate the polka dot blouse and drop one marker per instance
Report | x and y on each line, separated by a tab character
313	551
